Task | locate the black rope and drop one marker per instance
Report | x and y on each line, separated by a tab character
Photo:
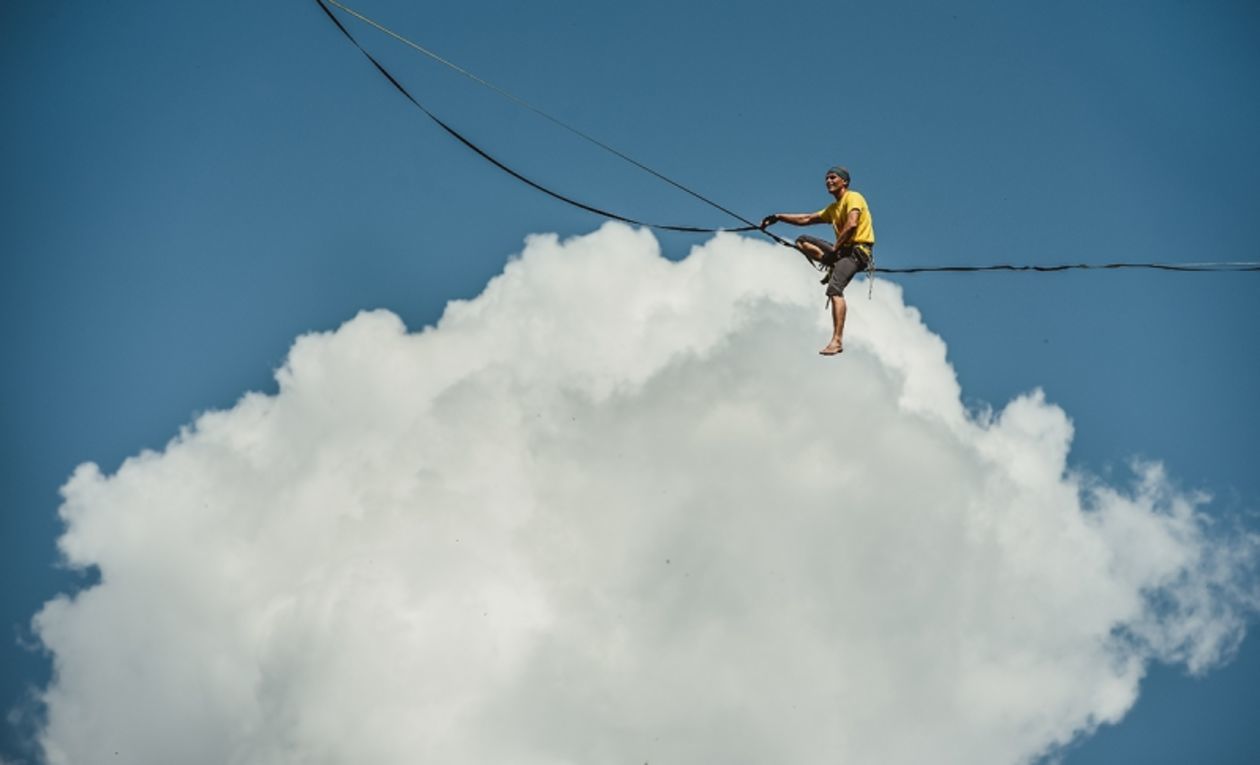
750	226
534	184
1182	267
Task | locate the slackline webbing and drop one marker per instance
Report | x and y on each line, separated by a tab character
1183	267
749	225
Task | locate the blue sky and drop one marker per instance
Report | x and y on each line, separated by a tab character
188	187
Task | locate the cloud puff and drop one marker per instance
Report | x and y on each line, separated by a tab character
616	510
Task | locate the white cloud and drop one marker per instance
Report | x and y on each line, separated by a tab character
615	509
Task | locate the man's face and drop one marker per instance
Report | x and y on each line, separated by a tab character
834	183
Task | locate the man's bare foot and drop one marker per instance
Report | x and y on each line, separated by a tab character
832	349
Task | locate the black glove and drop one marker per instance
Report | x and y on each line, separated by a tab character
769	220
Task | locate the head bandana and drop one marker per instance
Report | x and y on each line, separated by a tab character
840	171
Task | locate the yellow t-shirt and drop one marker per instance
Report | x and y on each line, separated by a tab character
838	211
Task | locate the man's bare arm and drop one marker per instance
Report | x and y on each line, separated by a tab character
796	219
850	225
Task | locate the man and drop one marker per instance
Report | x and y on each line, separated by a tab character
850	217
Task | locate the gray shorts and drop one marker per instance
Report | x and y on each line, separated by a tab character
844	263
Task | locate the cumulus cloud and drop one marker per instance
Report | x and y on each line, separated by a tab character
616	510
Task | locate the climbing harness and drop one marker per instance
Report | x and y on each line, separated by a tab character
868	254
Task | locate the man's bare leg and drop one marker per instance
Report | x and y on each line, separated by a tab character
838	310
838	307
811	250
